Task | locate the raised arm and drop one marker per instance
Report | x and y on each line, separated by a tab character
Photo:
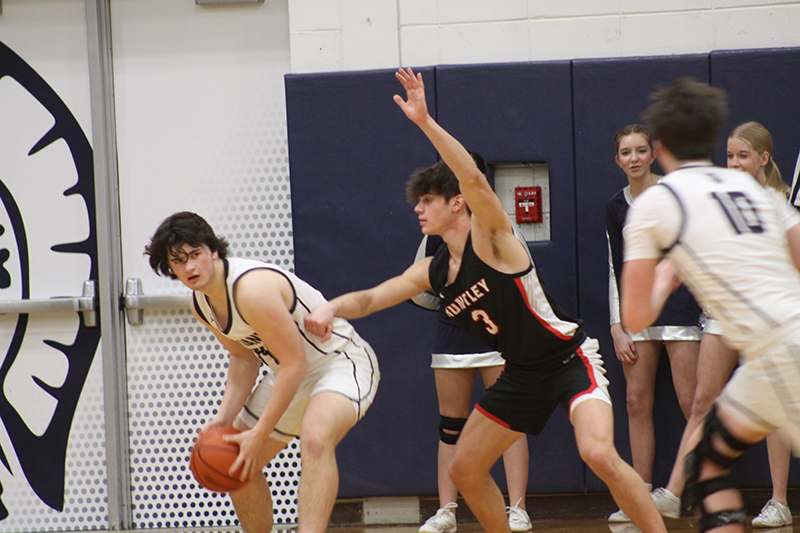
479	196
362	303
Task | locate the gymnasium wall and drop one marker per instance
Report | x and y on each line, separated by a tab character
359	34
200	125
351	149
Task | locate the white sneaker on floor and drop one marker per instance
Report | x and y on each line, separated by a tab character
518	519
624	527
667	503
444	521
618	517
773	514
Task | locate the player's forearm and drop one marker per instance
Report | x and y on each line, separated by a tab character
287	382
353	305
453	153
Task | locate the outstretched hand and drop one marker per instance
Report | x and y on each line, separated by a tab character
415	107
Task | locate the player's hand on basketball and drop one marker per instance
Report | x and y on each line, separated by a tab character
624	346
248	464
320	322
414	106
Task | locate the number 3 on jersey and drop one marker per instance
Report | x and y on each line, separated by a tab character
479	315
740	212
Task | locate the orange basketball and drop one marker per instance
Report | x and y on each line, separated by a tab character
212	457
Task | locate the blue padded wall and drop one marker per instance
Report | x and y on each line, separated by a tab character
607	95
351	150
522	113
762	85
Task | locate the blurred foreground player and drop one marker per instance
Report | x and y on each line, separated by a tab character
489	286
314	390
737	247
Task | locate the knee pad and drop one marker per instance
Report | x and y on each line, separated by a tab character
453	426
705	451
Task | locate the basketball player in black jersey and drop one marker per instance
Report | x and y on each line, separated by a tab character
488	285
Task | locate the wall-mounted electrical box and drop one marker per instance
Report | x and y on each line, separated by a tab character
524	191
528	204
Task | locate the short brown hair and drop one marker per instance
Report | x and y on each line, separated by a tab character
436	179
177	230
439	180
687	117
630	129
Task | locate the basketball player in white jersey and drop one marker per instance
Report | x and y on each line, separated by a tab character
737	246
489	286
314	390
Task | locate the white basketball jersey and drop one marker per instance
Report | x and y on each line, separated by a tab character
307	298
726	235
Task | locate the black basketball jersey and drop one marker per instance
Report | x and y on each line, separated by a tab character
510	313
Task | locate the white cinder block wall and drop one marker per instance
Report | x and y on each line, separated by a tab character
333	35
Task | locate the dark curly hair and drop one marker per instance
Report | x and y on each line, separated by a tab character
438	180
687	118
177	230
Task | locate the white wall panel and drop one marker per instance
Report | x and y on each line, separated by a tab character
484	43
308	15
418	12
751	3
467	30
765	27
201	127
550	9
51	395
317	51
651	33
51	34
565	38
420	46
460	11
659	6
369	34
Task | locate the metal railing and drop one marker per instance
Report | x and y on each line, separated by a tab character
134	301
86	305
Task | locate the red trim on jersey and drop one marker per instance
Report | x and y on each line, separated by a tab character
590	369
492	417
544	322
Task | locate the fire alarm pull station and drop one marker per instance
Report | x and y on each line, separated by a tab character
529	204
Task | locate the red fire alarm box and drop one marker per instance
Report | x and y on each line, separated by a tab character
528	201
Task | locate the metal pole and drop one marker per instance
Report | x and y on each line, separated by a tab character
110	283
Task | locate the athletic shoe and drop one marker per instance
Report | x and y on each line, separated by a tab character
774	514
444	521
618	517
518	519
668	504
628	527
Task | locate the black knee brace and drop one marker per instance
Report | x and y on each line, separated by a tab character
453	425
697	490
